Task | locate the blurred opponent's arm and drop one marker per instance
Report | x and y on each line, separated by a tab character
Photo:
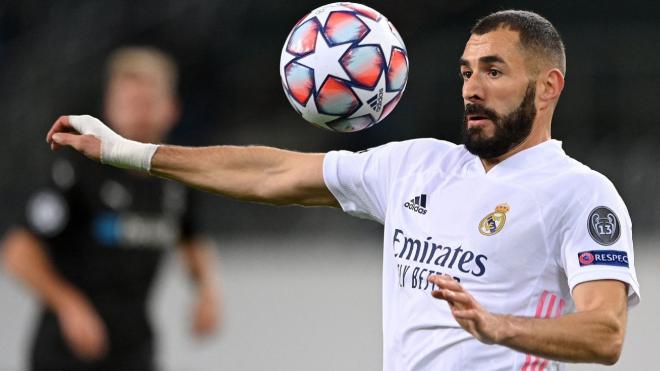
24	257
200	261
253	173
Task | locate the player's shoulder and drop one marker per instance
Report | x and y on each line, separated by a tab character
434	155
569	179
419	145
580	177
407	156
424	150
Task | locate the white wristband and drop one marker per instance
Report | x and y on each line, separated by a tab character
115	149
128	154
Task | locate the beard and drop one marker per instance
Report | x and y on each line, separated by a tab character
510	130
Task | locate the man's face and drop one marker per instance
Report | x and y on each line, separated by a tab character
139	108
497	93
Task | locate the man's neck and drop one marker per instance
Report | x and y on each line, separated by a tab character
535	137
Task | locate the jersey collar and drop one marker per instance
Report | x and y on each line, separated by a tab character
532	157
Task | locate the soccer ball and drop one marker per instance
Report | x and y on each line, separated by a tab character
344	67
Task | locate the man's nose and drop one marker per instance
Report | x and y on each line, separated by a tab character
473	91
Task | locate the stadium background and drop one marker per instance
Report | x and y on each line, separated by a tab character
303	286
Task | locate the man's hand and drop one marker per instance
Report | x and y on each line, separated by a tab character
91	137
594	333
199	258
206	312
483	325
81	326
63	133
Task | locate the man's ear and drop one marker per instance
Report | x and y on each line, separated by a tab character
549	86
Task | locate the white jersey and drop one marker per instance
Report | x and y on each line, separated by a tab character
519	238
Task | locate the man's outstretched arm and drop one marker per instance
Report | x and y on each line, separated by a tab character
594	333
252	173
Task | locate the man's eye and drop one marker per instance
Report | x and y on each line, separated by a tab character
466	74
494	73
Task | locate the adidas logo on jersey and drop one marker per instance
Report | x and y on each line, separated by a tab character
417	204
376	102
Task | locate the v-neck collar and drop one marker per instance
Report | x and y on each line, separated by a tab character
528	158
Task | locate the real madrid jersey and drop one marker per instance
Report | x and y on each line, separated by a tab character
519	238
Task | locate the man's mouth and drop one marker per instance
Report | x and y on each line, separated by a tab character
477	120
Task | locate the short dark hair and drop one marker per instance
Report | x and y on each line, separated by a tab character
537	35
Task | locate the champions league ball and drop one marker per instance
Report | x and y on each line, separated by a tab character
344	67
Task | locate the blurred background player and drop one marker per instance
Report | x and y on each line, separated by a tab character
91	240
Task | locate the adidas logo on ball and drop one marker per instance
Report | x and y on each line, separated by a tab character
376	102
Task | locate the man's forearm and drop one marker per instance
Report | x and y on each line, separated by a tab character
200	263
229	170
253	173
593	336
25	259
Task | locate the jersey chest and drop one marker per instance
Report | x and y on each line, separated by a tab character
473	228
130	212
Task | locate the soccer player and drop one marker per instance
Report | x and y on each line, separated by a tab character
92	238
499	254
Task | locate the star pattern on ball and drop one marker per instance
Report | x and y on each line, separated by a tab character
311	114
323	13
285	60
328	57
385	40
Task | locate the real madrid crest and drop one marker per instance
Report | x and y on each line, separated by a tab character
494	222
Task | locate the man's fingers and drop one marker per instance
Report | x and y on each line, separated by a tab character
444	294
65	139
459	297
88	145
95	337
438	294
459	308
85	334
62	124
98	343
453	297
464	314
445	282
93	345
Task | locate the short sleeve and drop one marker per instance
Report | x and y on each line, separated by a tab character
596	237
362	181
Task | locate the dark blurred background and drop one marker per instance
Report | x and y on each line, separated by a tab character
52	57
301	292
